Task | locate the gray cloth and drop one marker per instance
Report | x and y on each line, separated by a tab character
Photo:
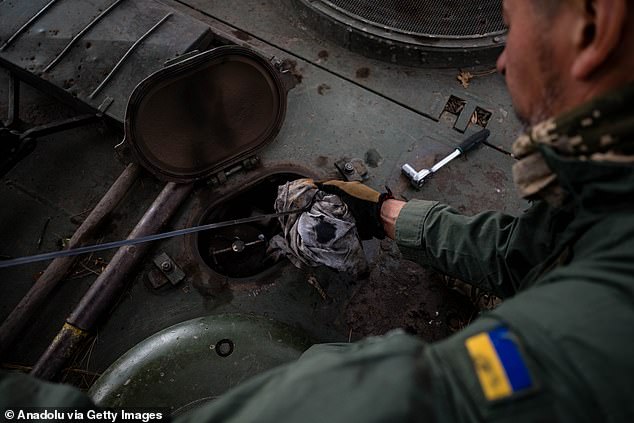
325	235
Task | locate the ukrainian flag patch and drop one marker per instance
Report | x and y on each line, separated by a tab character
498	363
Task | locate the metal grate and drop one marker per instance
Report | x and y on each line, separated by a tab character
435	18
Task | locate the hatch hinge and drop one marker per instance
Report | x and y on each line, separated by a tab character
221	177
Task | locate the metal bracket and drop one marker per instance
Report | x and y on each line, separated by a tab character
352	169
280	65
13	114
168	268
105	105
285	68
15	145
221	177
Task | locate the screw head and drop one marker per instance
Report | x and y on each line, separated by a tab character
224	347
166	266
348	167
238	246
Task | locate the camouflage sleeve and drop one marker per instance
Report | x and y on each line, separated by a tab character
492	251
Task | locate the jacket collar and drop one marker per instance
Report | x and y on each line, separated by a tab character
588	151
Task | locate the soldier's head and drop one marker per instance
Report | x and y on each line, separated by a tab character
561	53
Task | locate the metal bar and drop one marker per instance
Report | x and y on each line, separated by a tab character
79	35
26	25
108	286
135	241
62	125
125	56
446	160
22	149
13	115
46	87
39	292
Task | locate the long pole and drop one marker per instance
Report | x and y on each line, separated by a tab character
22	314
107	288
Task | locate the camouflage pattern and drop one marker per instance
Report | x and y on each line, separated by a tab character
598	131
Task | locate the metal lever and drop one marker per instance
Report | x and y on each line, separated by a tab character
134	241
417	178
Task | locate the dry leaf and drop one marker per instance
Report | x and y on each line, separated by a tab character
465	78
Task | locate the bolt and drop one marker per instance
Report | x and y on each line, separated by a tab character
224	348
238	246
348	168
166	266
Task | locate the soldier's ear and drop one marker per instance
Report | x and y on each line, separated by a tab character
598	35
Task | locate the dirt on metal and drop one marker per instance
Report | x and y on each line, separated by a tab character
402	294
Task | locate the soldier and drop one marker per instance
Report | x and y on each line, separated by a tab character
561	346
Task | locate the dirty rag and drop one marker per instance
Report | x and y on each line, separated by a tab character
325	234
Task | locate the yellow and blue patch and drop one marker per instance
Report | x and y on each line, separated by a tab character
499	365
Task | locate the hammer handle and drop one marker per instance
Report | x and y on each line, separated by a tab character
473	140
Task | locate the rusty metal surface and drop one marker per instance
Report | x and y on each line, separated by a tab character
91	55
108	286
63	347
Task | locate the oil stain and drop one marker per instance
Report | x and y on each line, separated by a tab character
322	161
241	35
363	73
321	89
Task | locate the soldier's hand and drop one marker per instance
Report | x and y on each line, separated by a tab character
363	202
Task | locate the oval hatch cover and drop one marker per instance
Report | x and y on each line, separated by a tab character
196	117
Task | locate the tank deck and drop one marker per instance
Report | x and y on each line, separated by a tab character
346	106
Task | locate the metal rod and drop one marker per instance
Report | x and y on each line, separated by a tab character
446	160
233	249
26	25
141	240
79	35
61	125
13	115
107	288
125	56
39	292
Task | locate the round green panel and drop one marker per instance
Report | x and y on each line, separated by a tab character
195	361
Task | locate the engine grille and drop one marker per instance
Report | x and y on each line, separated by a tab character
427	33
446	18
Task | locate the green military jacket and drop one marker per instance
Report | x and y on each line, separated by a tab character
559	348
567	277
